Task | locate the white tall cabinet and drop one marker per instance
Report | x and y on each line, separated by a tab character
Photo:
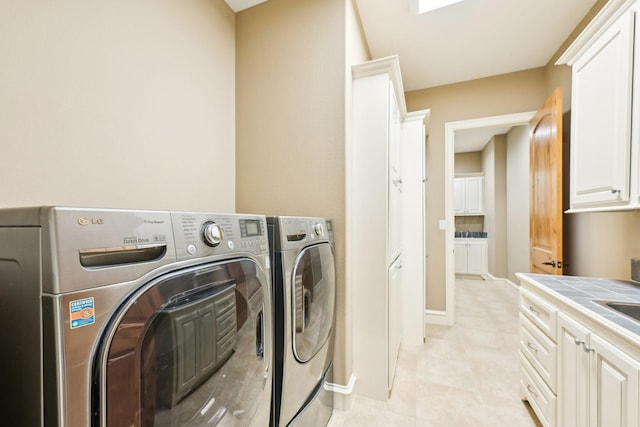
375	262
414	201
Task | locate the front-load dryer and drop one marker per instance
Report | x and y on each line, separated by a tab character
304	292
134	318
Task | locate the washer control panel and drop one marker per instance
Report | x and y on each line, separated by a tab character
202	234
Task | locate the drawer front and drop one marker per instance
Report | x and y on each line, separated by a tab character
541	313
539	396
539	350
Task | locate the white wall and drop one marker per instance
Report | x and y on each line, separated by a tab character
117	104
518	201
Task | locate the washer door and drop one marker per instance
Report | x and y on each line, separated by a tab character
313	300
189	350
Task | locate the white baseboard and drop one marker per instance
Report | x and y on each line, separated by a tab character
436	317
342	394
502	279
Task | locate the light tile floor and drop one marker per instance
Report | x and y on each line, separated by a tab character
464	375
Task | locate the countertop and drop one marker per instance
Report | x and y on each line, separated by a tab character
582	292
470	235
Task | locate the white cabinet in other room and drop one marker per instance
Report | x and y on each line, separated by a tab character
603	96
598	384
468	196
471	256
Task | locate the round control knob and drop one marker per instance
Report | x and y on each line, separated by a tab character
319	229
212	233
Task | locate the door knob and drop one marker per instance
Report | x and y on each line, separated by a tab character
551	263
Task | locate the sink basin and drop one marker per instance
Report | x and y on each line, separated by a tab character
629	309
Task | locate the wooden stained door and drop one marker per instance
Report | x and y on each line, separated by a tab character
546	187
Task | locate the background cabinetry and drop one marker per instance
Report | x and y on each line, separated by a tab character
471	256
468	196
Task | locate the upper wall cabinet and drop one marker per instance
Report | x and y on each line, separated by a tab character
604	140
468	196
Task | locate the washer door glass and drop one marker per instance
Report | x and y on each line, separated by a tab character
189	350
313	300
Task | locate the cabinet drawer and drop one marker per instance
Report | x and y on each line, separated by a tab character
539	350
539	396
541	313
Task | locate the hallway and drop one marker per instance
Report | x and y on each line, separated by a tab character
464	375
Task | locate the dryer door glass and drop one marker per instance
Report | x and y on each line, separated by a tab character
313	300
189	349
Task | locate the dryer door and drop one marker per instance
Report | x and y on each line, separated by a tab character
313	300
191	348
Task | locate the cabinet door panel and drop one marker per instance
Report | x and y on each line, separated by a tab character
461	257
614	385
573	371
395	319
474	195
459	196
476	257
601	118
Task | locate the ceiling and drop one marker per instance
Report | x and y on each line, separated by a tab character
465	41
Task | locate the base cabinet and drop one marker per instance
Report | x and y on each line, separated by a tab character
599	384
572	375
471	256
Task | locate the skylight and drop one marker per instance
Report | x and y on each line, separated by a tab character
425	6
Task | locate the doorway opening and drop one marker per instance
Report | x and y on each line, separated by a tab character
453	130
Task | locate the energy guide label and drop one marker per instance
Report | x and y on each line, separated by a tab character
82	312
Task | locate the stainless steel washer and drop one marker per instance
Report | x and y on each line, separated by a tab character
304	285
119	317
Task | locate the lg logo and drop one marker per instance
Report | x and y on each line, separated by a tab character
84	220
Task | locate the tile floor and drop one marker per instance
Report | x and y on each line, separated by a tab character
464	375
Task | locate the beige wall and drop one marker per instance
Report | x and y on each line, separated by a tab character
518	195
494	163
505	94
293	87
118	104
470	162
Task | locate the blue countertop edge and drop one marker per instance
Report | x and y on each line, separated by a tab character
582	292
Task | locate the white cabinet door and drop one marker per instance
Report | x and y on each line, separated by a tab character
395	319
461	255
476	256
601	118
394	178
474	195
598	385
613	393
573	373
459	196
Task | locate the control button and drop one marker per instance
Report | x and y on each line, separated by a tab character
191	249
212	233
319	229
230	244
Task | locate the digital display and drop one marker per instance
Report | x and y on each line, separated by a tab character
251	227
